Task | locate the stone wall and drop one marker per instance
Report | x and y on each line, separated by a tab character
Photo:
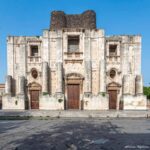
51	102
98	102
14	103
91	62
85	20
134	102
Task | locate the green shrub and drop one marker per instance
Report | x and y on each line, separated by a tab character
60	100
147	92
45	93
103	94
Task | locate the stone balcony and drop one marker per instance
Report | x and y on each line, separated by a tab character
113	59
35	59
73	57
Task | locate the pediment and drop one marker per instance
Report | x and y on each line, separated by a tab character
73	76
34	86
114	84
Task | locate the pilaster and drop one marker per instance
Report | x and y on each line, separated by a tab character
45	46
126	85
102	73
45	77
59	48
10	55
59	73
88	76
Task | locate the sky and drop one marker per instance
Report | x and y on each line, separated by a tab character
30	17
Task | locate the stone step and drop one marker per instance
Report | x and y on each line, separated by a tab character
74	113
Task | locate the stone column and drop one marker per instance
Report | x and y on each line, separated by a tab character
88	76
102	77
45	77
59	71
8	86
139	85
22	85
126	85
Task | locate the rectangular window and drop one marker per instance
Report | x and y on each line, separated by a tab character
34	50
112	50
73	43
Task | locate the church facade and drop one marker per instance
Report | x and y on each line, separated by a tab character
74	65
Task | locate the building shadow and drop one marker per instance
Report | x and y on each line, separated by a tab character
82	135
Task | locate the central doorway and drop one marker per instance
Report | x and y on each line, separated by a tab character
73	94
112	99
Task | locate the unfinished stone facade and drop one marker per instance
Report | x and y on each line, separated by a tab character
73	65
2	91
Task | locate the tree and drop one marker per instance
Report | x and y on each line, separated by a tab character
147	92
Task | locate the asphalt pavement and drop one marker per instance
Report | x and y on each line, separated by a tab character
75	134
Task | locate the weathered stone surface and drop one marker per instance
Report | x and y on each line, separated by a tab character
126	84
88	66
13	103
102	76
139	85
45	79
8	86
59	77
60	20
88	76
22	85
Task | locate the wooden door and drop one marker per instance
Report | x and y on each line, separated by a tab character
34	97
0	102
73	92
112	99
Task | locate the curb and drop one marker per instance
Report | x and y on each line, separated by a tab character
46	115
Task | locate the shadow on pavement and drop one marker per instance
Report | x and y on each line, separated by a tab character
82	135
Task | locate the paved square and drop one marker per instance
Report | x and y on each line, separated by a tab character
75	134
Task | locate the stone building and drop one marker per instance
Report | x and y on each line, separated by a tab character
2	91
74	65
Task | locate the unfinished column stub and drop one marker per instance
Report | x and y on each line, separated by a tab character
8	87
139	85
21	85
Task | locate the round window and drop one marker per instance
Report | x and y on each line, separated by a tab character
34	73
112	73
